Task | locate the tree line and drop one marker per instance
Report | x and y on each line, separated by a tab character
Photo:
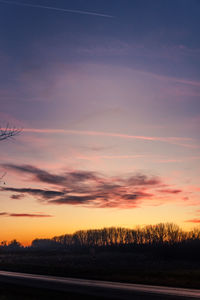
151	235
163	233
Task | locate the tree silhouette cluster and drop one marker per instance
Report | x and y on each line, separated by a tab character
163	234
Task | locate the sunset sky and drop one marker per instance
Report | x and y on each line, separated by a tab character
108	96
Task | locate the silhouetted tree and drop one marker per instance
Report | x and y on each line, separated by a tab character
44	244
159	234
14	245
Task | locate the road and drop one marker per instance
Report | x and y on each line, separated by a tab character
106	289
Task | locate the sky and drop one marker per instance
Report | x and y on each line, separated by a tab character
107	94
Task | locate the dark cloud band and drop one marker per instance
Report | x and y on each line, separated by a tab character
6	214
88	188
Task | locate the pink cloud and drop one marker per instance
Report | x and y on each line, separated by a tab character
193	221
3	214
99	157
91	189
170	191
30	215
27	215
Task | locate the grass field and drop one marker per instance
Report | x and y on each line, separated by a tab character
124	267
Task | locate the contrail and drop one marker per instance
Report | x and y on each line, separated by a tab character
82	12
180	141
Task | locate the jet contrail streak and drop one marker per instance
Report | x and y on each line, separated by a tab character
180	141
58	9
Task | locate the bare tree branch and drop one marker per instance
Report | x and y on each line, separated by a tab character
9	132
1	178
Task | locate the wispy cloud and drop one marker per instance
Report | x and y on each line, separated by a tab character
184	81
3	213
91	189
17	197
170	191
64	10
180	141
46	194
6	214
154	158
97	157
193	221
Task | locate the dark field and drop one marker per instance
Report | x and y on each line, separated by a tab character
32	294
16	293
146	268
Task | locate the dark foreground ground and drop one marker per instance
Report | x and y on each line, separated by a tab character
16	293
113	266
10	292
